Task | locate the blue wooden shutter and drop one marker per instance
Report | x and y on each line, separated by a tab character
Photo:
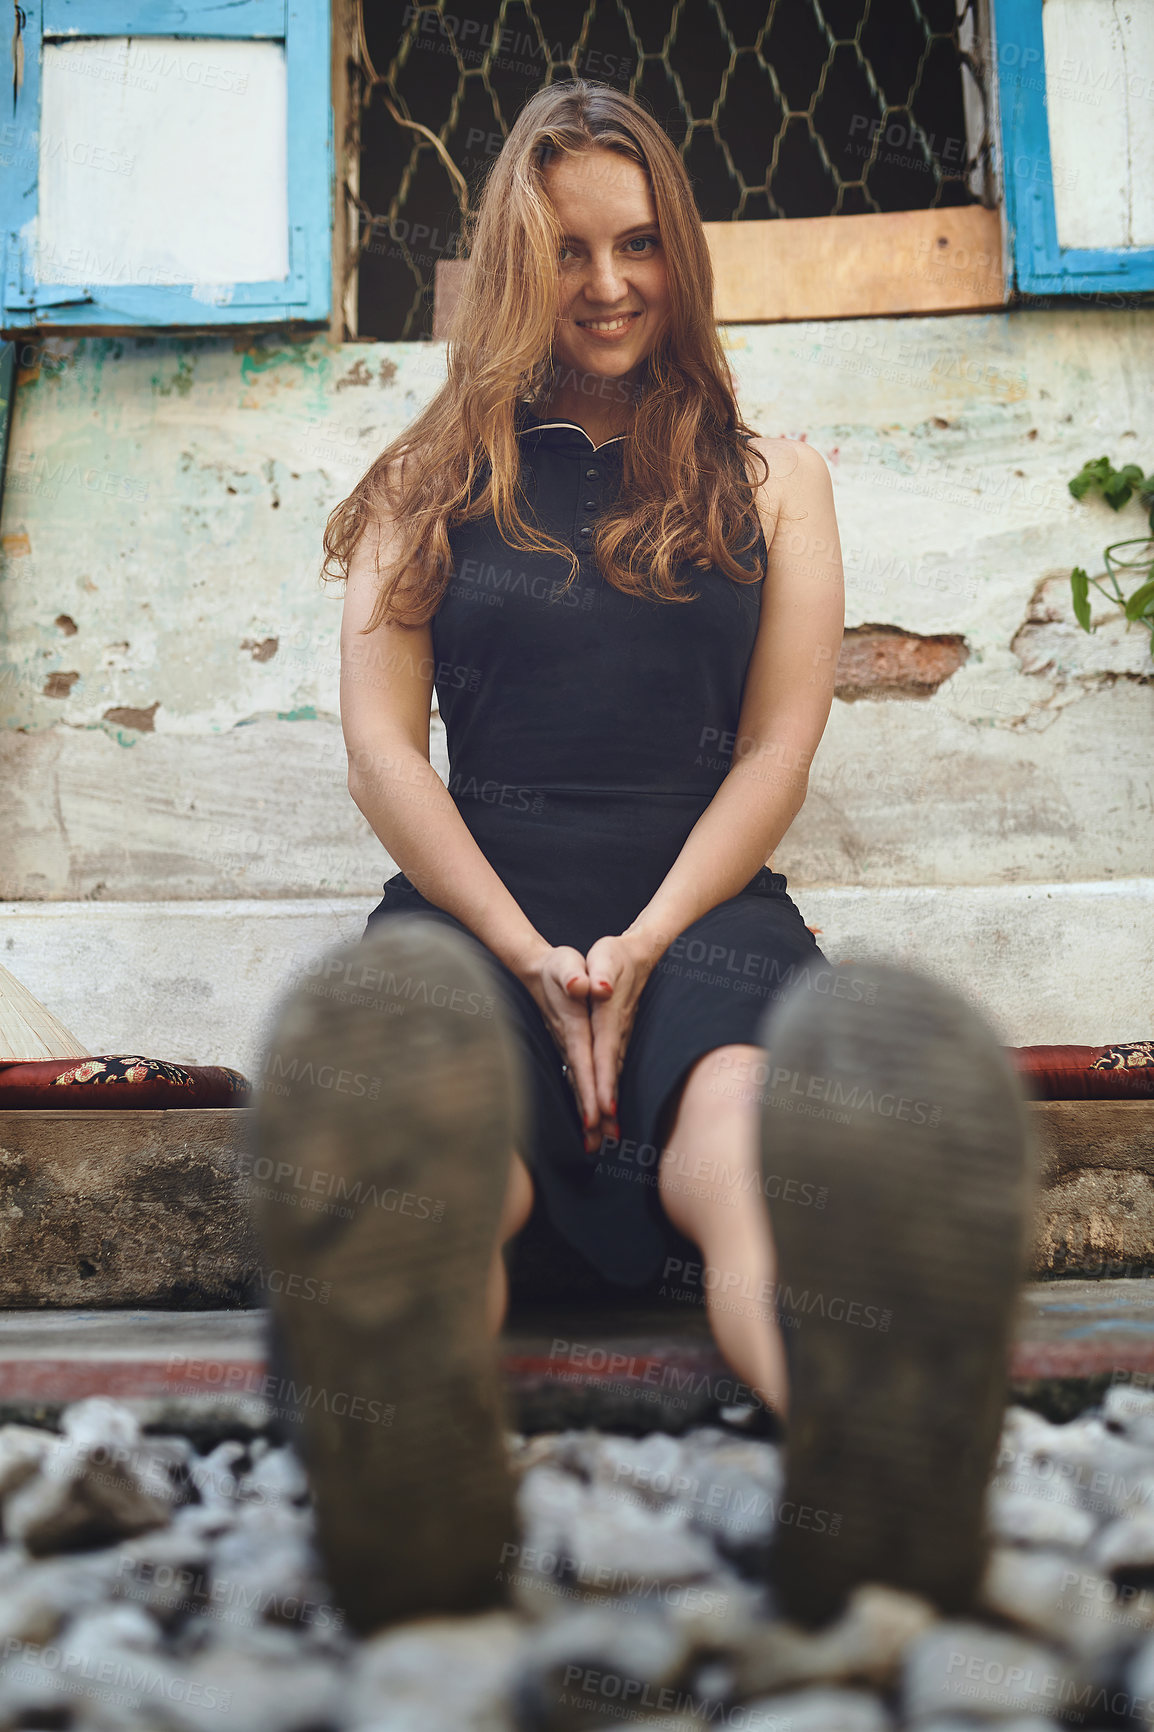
1042	265
301	29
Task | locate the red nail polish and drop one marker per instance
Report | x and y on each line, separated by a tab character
613	1106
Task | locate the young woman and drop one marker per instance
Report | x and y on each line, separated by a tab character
630	610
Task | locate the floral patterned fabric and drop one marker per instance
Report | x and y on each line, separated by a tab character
115	1082
1087	1073
1123	1071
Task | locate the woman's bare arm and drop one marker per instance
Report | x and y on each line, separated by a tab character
386	696
785	706
786	703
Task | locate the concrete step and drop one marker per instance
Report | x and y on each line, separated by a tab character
206	1371
101	1209
195	981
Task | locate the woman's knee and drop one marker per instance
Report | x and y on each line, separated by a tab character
721	1087
518	1204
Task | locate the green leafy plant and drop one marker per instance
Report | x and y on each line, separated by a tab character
1123	559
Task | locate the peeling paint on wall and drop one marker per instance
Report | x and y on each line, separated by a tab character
161	533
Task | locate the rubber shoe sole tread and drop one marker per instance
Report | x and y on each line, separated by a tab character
896	1108
390	1105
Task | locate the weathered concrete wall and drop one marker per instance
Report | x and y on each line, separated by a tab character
168	666
170	679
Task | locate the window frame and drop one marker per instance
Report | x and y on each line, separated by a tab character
1040	265
305	295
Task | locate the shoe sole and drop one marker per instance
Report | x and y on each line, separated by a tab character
896	1113
389	1107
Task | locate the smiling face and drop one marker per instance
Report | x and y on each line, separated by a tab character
614	285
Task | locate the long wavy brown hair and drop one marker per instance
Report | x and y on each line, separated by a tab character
689	467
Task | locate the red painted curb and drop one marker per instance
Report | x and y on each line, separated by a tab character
210	1379
137	1379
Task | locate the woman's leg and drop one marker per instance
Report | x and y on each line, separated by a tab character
711	1187
514	1213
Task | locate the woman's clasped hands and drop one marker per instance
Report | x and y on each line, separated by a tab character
589	1004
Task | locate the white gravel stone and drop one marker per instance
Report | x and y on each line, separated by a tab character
264	1570
1130	1412
1082	1465
261	1688
617	1542
97	1423
1020	1723
817	1710
640	1564
116	1626
609	1540
39	1596
597	1662
549	1502
650	1467
865	1645
217	1475
1061	1599
1127	1543
23	1449
969	1670
1140	1682
168	1572
275	1476
438	1675
1040	1518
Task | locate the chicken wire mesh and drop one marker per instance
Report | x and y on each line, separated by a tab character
780	108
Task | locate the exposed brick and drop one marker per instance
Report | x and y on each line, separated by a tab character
59	685
883	661
142	720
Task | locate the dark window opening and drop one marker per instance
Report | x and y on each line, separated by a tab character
780	108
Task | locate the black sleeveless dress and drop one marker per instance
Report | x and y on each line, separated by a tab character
587	732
